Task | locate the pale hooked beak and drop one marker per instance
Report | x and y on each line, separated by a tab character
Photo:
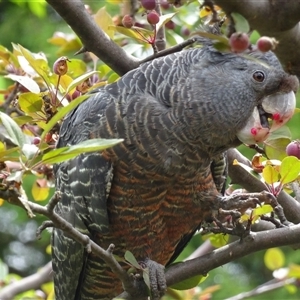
276	109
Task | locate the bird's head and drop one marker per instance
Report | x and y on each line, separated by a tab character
276	106
243	97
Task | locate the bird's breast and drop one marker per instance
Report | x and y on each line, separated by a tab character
150	213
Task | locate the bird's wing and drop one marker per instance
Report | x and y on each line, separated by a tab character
83	183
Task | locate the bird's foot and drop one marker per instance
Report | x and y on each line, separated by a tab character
230	209
154	277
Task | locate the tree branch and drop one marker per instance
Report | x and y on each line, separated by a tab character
253	243
92	36
264	288
278	19
31	282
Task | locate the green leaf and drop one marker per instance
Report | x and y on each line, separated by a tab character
146	277
270	174
280	133
217	240
189	283
294	271
275	148
104	21
9	154
221	47
37	62
76	67
291	289
39	193
26	81
13	130
61	113
79	80
133	32
2	147
29	150
113	77
262	210
274	259
163	19
218	38
30	102
241	24
131	259
65	153
38	8
21	120
289	169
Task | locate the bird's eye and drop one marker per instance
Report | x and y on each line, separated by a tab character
258	76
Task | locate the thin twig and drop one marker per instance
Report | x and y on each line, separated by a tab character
267	287
31	282
171	50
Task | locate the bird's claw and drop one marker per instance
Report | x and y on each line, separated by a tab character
232	207
154	277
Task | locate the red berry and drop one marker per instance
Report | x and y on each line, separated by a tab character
127	21
148	4
36	140
185	31
265	44
153	17
164	4
170	25
75	95
293	149
239	42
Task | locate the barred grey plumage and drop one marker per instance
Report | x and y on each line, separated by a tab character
148	195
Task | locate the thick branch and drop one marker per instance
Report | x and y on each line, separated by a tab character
253	243
276	18
92	37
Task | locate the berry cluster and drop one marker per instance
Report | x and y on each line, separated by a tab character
239	42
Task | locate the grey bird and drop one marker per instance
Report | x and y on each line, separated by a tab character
177	115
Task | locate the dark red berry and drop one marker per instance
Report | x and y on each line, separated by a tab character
127	21
148	4
75	95
165	4
170	25
185	31
153	17
36	140
265	44
293	149
239	42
